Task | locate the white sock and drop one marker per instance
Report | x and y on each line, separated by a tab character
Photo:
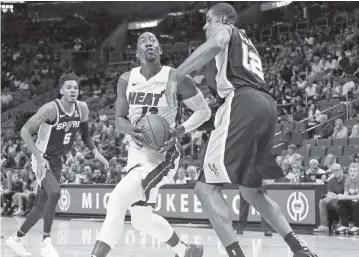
180	249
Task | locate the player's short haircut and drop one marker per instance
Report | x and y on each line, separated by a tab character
147	32
223	9
68	76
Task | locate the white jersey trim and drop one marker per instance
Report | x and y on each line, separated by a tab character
78	107
63	109
222	74
57	115
43	136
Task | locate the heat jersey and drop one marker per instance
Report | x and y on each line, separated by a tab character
148	96
239	65
55	139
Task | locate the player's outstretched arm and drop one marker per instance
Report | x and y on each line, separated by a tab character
85	135
47	112
123	125
194	100
218	37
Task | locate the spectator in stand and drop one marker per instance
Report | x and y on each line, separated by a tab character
97	177
301	82
192	174
27	198
286	72
325	130
6	98
297	175
286	170
9	148
299	113
331	64
340	131
355	129
312	89
317	65
356	158
286	167
297	159
86	178
335	187
348	86
279	160
111	177
4	187
337	90
181	176
329	163
14	186
314	167
291	151
349	201
313	115
87	168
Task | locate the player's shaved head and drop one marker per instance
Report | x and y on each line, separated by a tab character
226	10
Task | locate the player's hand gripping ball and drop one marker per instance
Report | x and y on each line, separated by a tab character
155	131
175	133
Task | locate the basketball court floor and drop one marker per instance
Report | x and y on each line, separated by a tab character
75	238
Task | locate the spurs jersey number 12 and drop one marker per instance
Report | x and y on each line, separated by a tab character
148	96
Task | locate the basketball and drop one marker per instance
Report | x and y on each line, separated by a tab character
155	130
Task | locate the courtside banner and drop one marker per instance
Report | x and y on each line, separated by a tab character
171	203
181	203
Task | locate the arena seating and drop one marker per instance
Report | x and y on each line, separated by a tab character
293	47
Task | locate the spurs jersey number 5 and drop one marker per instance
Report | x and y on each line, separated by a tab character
56	139
148	96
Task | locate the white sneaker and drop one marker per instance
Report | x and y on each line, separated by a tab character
354	229
341	229
19	212
321	228
47	249
18	244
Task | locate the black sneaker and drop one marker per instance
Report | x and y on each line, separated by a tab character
240	231
268	233
193	251
304	252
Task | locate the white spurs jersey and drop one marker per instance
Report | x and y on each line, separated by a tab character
148	96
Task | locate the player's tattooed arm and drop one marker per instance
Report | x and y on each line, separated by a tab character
218	36
123	125
48	113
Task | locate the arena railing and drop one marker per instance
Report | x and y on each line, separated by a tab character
281	29
346	104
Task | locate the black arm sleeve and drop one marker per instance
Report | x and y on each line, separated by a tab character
85	136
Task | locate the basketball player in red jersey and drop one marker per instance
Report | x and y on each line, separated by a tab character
57	123
239	149
141	92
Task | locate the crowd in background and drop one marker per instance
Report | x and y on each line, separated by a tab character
304	71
